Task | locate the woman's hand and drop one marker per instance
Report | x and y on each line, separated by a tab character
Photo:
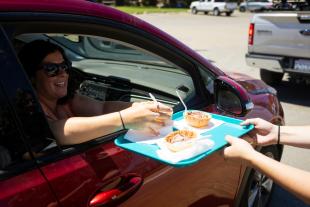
264	133
239	149
147	116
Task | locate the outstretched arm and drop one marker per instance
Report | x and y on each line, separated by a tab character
77	130
139	116
266	133
298	136
84	106
294	180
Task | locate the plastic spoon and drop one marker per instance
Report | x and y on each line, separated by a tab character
153	98
185	107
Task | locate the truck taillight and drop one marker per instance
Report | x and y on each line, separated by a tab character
251	34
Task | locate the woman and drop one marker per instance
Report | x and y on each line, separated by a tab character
294	180
79	119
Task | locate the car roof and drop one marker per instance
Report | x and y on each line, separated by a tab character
88	8
79	7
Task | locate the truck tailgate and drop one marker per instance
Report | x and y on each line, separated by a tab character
282	34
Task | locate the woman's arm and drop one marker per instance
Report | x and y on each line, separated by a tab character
85	106
292	179
298	136
76	130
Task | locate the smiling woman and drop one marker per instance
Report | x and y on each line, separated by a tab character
48	69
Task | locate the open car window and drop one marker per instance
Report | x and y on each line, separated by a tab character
111	70
120	61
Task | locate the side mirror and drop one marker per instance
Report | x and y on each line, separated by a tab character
231	97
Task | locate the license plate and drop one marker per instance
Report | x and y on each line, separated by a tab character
302	65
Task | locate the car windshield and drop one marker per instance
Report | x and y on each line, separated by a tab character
106	49
115	59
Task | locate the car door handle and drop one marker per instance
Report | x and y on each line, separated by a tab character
125	188
305	32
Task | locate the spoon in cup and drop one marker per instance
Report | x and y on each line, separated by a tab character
153	98
185	107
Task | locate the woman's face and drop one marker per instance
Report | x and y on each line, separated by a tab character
55	87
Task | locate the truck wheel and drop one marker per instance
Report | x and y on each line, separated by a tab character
206	12
271	77
228	13
258	186
242	9
216	12
194	10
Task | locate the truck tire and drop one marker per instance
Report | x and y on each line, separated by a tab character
216	12
206	12
271	77
194	10
258	186
228	13
242	9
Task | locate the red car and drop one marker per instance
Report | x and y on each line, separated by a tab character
117	56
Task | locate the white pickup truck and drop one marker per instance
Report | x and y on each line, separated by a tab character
280	43
215	6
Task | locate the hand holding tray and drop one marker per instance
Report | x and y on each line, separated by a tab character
225	126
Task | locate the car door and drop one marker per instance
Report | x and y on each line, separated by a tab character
252	5
209	5
21	182
203	5
98	172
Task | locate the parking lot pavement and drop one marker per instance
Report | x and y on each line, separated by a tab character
223	40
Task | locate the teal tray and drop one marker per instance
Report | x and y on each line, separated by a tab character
231	126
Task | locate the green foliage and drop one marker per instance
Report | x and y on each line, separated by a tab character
141	10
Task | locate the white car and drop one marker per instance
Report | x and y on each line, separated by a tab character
215	6
256	5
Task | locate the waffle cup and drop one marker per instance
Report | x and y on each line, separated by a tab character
180	145
199	121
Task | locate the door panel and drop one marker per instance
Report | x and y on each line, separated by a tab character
27	189
79	179
211	182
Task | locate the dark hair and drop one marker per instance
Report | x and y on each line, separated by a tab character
32	54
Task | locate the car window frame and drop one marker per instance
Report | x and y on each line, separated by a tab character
7	89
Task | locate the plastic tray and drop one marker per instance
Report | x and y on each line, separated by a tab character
230	126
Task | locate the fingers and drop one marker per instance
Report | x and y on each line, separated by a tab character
226	153
159	107
250	121
164	109
163	116
154	128
230	139
153	131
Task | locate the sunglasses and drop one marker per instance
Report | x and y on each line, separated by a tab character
53	69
